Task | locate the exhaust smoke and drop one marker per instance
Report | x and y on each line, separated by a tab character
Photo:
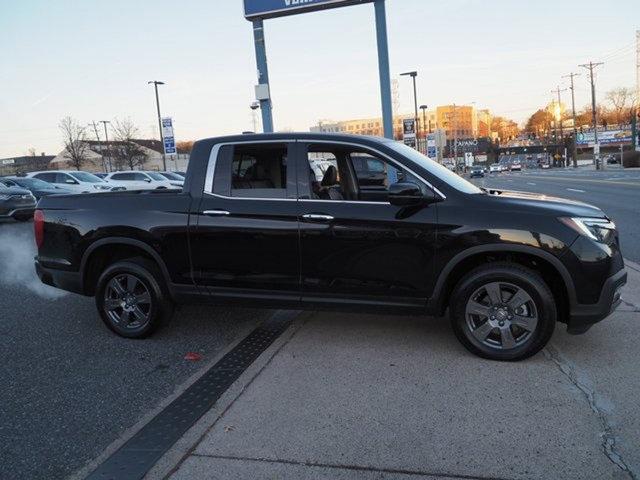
17	249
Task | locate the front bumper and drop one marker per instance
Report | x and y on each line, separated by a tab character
582	317
64	280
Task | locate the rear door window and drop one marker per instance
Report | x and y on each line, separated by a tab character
122	176
254	171
47	177
63	178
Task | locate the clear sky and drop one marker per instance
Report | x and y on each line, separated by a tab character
92	60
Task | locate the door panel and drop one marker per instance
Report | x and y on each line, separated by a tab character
367	250
362	248
247	245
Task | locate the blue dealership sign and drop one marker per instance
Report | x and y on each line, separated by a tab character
255	9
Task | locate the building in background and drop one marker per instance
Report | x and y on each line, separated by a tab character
110	156
458	121
484	123
27	163
373	126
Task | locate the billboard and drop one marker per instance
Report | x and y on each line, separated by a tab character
409	132
256	9
606	137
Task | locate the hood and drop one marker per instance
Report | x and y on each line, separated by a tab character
14	191
532	202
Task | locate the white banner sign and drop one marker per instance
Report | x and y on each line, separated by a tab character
168	139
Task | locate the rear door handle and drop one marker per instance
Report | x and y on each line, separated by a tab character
317	217
216	213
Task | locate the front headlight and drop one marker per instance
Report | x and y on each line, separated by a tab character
598	229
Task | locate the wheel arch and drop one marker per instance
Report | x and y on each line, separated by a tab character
108	250
550	267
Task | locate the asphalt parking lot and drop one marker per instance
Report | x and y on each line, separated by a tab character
336	396
70	387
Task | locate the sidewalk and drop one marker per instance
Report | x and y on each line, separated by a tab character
358	396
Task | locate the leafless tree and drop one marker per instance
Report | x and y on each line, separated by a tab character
622	100
127	153
74	138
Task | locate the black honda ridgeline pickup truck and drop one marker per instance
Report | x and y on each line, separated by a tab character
285	220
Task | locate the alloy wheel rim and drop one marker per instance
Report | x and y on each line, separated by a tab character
127	301
501	315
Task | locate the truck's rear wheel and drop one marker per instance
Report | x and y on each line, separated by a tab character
503	311
131	299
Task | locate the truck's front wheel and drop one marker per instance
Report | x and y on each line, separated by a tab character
503	311
130	298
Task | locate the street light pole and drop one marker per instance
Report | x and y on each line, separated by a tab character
155	85
413	76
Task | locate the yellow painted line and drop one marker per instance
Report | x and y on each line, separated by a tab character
587	180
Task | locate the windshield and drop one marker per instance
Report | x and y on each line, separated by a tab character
443	173
156	176
32	183
172	176
86	177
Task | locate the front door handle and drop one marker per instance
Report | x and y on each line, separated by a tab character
216	213
317	217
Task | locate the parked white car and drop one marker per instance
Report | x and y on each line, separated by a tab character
175	179
495	168
73	181
139	180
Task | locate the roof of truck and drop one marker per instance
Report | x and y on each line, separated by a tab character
261	137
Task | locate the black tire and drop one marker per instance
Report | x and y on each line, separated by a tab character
157	310
511	334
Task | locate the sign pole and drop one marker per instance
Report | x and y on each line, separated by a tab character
383	66
263	74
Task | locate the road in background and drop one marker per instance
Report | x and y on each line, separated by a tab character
616	192
69	386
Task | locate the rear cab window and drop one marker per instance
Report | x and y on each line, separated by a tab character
254	170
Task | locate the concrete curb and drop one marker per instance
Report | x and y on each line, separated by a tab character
131	431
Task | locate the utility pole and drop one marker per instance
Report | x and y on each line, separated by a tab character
164	157
637	69
106	136
594	115
95	129
573	111
559	119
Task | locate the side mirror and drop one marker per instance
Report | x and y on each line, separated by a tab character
71	182
407	194
148	180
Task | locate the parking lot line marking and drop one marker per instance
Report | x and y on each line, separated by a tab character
587	180
142	451
530	183
576	190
